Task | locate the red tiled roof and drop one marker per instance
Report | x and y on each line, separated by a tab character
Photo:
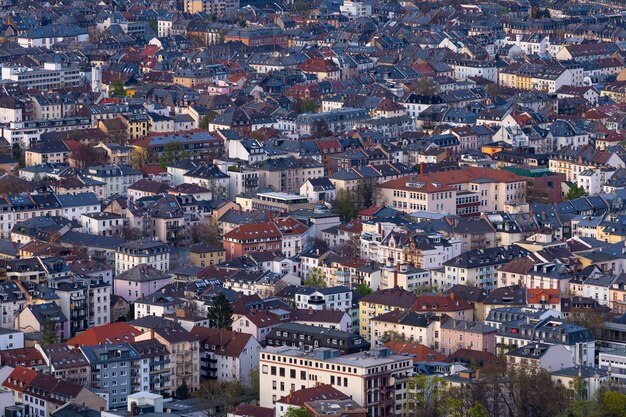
263	318
395	297
370	211
289	226
19	379
152	169
422	353
319	392
253	411
457	176
28	357
540	295
254	231
106	334
318	65
518	266
353	226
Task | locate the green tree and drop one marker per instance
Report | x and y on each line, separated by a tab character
206	119
304	105
315	278
182	392
206	232
363	289
296	412
575	192
300	7
140	157
172	152
49	335
478	410
345	204
18	154
615	404
117	89
220	313
255	382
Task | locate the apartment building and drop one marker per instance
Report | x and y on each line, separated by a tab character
406	325
145	251
465	192
226	355
463	334
380	302
151	372
573	161
376	379
184	351
479	267
111	370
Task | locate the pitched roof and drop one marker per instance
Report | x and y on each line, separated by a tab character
440	303
105	334
457	176
319	392
221	341
396	297
417	351
19	379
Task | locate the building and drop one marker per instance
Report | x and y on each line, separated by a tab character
252	238
146	251
463	334
329	298
376	379
11	339
35	318
309	337
380	302
140	281
479	267
227	356
202	254
112	370
419	328
466	192
66	363
184	350
152	369
539	356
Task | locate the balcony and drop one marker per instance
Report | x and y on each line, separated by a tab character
316	300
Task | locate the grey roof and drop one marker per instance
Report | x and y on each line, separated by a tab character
142	273
78	200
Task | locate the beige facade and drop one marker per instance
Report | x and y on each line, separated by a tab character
285	369
184	351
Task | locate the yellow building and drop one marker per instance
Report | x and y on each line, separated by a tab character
202	254
381	302
118	154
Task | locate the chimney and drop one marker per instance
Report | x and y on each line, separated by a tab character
452	296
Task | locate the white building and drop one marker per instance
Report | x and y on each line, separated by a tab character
102	223
335	298
376	379
355	9
11	339
146	251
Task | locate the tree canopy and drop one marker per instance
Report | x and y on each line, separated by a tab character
575	192
315	278
172	152
220	313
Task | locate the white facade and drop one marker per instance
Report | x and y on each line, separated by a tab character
349	373
11	339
